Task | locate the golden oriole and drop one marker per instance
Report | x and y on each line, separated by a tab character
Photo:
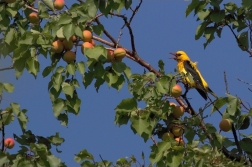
191	74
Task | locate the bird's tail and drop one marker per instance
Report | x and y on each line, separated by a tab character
212	93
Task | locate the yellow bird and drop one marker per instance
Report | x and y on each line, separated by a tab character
191	75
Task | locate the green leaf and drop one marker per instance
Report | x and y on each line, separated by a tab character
127	73
15	108
217	16
47	71
96	53
3	159
200	30
246	144
221	101
243	42
192	6
9	35
68	89
49	4
92	8
56	139
118	67
233	106
98	83
189	134
81	67
26	39
231	7
7	117
73	104
71	68
68	30
203	14
8	87
42	11
246	3
127	105
53	161
98	29
157	152
78	32
139	125
58	106
22	119
174	159
63	118
88	78
110	78
119	83
64	19
83	155
33	66
243	122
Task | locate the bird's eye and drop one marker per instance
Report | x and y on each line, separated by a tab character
178	54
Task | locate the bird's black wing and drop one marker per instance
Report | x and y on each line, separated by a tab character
198	82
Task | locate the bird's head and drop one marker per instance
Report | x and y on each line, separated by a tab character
180	56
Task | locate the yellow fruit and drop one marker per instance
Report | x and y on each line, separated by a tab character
178	111
173	104
180	141
33	17
110	56
177	131
73	38
167	136
86	45
59	4
93	42
68	45
225	125
119	54
87	36
10	1
9	143
176	91
57	46
69	56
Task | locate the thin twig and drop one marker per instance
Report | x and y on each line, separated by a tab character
244	82
102	160
130	55
226	83
154	141
250	53
135	11
106	32
7	68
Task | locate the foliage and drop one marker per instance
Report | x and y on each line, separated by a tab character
24	42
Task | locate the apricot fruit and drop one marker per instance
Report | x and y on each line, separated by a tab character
57	46
33	17
87	36
176	91
9	143
69	56
177	131
119	54
59	4
68	45
225	125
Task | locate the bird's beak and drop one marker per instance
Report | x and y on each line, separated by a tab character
174	56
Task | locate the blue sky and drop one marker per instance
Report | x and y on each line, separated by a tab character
159	27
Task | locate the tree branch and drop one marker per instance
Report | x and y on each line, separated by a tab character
7	68
250	53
